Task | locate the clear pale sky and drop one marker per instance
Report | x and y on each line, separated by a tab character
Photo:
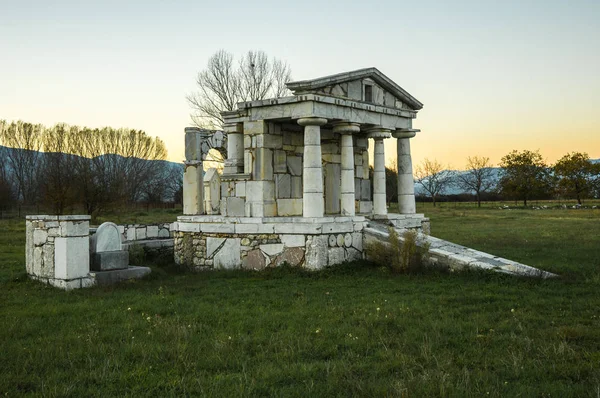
493	76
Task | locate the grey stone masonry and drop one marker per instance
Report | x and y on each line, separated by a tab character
57	250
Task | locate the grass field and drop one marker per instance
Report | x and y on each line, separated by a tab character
353	330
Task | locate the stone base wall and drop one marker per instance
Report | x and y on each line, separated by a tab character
133	232
204	242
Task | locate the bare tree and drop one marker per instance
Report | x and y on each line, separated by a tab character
433	178
57	172
24	163
478	176
221	85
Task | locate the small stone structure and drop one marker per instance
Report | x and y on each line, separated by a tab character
58	252
296	185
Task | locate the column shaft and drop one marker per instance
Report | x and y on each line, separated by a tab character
406	185
379	199
312	173
347	187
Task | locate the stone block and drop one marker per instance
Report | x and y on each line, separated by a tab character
269	141
347	240
340	240
163	233
212	245
296	187
240	189
333	148
105	261
353	255
235	207
74	228
297	139
332	158
283	186
336	255
365	207
294	256
271	249
130	234
357	241
228	256
255	127
47	270
357	188
336	228
193	146
262	164
259	191
294	164
289	207
106	239
140	233
255	260
40	236
365	190
280	161
218	228
358	159
115	276
298	228
293	240
71	257
332	188
316	252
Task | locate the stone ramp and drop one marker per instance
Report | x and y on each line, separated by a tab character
457	257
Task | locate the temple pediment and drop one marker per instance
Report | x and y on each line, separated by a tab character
367	85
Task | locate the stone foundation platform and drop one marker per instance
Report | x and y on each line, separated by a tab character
217	242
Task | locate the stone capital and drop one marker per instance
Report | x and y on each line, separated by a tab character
312	121
233	128
346	127
405	133
378	133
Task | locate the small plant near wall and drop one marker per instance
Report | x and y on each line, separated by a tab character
401	254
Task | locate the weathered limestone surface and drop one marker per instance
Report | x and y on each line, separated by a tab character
455	257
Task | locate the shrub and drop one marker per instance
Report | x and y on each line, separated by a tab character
401	255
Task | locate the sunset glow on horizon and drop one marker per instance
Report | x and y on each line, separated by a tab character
493	77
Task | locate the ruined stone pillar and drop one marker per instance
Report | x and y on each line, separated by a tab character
193	185
235	148
406	185
312	172
193	173
379	192
348	200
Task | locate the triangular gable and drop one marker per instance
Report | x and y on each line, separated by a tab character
353	84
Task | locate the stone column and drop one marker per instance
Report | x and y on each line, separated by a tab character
235	148
348	200
406	184
379	193
312	172
193	185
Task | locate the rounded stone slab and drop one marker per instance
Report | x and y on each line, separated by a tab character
106	239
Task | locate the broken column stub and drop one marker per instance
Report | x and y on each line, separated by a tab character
107	253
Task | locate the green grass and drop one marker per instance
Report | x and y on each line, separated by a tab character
353	330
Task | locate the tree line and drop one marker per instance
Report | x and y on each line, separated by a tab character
64	166
524	176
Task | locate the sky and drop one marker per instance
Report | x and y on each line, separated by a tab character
493	76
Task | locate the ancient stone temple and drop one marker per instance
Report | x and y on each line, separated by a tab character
296	186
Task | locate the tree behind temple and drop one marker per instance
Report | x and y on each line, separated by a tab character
223	84
525	175
478	177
